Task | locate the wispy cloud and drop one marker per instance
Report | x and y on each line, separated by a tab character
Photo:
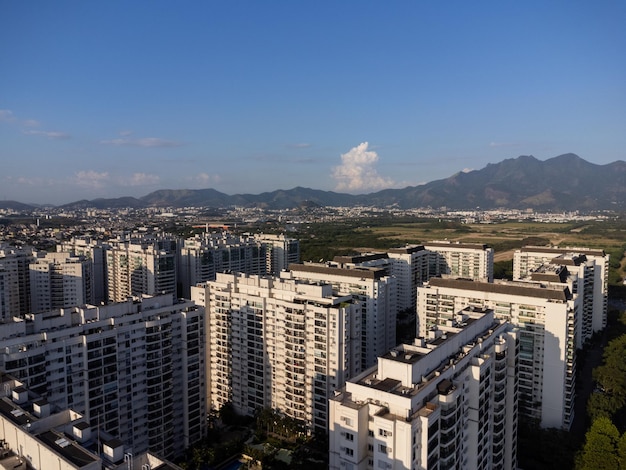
302	145
148	142
91	179
6	115
503	144
143	179
204	179
48	134
357	171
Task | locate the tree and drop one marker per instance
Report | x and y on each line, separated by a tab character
601	447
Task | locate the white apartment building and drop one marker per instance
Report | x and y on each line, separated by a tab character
588	271
14	281
547	316
34	435
281	251
466	260
60	280
278	342
93	250
135	369
141	266
447	401
203	256
375	292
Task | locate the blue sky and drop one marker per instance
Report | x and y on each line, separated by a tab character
120	98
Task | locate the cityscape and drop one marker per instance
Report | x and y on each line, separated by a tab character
122	342
315	235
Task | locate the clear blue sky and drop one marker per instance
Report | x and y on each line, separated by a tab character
120	98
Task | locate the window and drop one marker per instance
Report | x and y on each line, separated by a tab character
349	436
349	451
382	448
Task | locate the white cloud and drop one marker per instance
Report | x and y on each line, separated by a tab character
143	179
6	115
357	171
30	123
126	133
142	142
503	144
204	179
302	145
91	179
466	170
49	134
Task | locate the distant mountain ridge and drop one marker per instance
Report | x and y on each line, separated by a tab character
563	183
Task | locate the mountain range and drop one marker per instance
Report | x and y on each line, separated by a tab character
563	183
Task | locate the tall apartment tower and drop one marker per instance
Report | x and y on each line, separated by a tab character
203	256
277	342
466	260
134	368
15	281
281	251
589	269
141	266
94	250
60	280
446	401
547	316
375	292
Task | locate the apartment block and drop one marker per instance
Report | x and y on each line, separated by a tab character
140	266
374	290
60	280
203	256
94	250
547	317
588	272
466	260
281	251
135	368
35	435
15	281
278	342
446	401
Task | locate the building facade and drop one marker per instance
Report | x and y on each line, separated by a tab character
466	260
446	401
547	316
60	280
134	368
277	342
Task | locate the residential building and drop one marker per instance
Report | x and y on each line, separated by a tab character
94	250
588	270
60	280
446	401
141	265
135	368
466	260
281	251
375	292
278	342
547	316
15	281
203	256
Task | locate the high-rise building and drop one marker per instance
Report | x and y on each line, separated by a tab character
588	271
547	316
278	342
466	260
446	401
15	281
375	292
60	280
141	266
93	250
281	251
203	256
134	368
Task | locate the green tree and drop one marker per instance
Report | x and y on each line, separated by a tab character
600	451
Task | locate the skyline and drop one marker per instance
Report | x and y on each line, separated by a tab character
124	99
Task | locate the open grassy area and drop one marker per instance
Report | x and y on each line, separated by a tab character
323	241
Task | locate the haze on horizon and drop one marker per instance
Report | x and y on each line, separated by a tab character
120	98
